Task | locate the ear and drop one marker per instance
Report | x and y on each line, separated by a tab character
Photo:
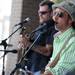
51	13
70	21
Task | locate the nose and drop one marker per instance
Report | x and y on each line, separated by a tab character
55	17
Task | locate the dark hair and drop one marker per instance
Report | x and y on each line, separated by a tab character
47	2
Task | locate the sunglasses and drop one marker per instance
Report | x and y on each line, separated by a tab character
59	14
43	12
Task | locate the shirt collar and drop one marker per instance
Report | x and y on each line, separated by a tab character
62	36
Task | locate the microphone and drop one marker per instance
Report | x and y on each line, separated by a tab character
24	21
11	51
39	28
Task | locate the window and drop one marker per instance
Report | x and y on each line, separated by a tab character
5	12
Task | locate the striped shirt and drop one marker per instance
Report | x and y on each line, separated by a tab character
67	56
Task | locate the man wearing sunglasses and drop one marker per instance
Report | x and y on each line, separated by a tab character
40	54
63	58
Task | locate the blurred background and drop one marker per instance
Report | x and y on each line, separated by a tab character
11	13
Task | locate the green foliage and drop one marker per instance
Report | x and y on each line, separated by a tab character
58	1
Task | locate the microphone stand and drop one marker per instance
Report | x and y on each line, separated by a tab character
19	65
4	43
8	51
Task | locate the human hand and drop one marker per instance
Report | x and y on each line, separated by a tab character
47	73
24	41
